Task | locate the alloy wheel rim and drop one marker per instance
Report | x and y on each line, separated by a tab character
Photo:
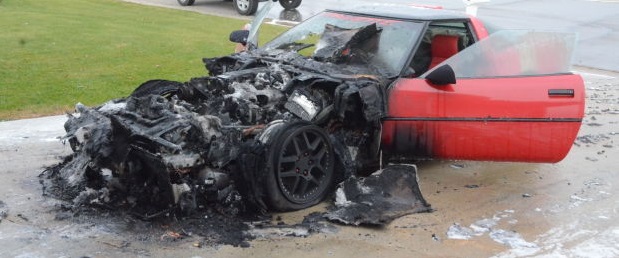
303	166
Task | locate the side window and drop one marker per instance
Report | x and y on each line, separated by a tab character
510	53
441	40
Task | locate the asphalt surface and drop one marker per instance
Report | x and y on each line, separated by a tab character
596	22
567	209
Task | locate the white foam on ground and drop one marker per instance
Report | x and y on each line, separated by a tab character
45	129
340	198
456	231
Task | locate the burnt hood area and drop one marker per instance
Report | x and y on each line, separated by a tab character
181	149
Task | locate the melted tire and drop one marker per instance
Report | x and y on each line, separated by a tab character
186	2
290	4
299	172
163	88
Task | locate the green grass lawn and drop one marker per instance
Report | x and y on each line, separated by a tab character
55	53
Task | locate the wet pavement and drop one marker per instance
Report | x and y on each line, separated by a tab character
482	209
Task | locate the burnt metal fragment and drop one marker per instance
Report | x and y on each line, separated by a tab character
378	199
338	44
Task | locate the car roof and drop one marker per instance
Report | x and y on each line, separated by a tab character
404	12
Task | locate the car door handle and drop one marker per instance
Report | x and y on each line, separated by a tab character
561	92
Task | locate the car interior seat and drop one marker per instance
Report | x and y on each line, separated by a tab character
443	47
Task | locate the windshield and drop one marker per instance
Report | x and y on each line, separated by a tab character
346	38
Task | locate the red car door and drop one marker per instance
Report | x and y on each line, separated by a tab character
514	100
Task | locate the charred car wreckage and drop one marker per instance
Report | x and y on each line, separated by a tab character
326	103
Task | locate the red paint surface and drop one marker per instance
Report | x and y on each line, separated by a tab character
478	27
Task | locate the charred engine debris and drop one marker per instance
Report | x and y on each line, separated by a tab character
266	130
153	151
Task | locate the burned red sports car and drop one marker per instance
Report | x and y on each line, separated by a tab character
333	97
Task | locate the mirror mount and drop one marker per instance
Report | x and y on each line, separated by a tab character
239	36
443	75
409	72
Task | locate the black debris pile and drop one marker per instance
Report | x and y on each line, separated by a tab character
4	211
313	223
380	198
215	228
207	227
144	155
591	139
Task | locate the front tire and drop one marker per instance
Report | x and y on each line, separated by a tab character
185	2
300	168
246	7
290	4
